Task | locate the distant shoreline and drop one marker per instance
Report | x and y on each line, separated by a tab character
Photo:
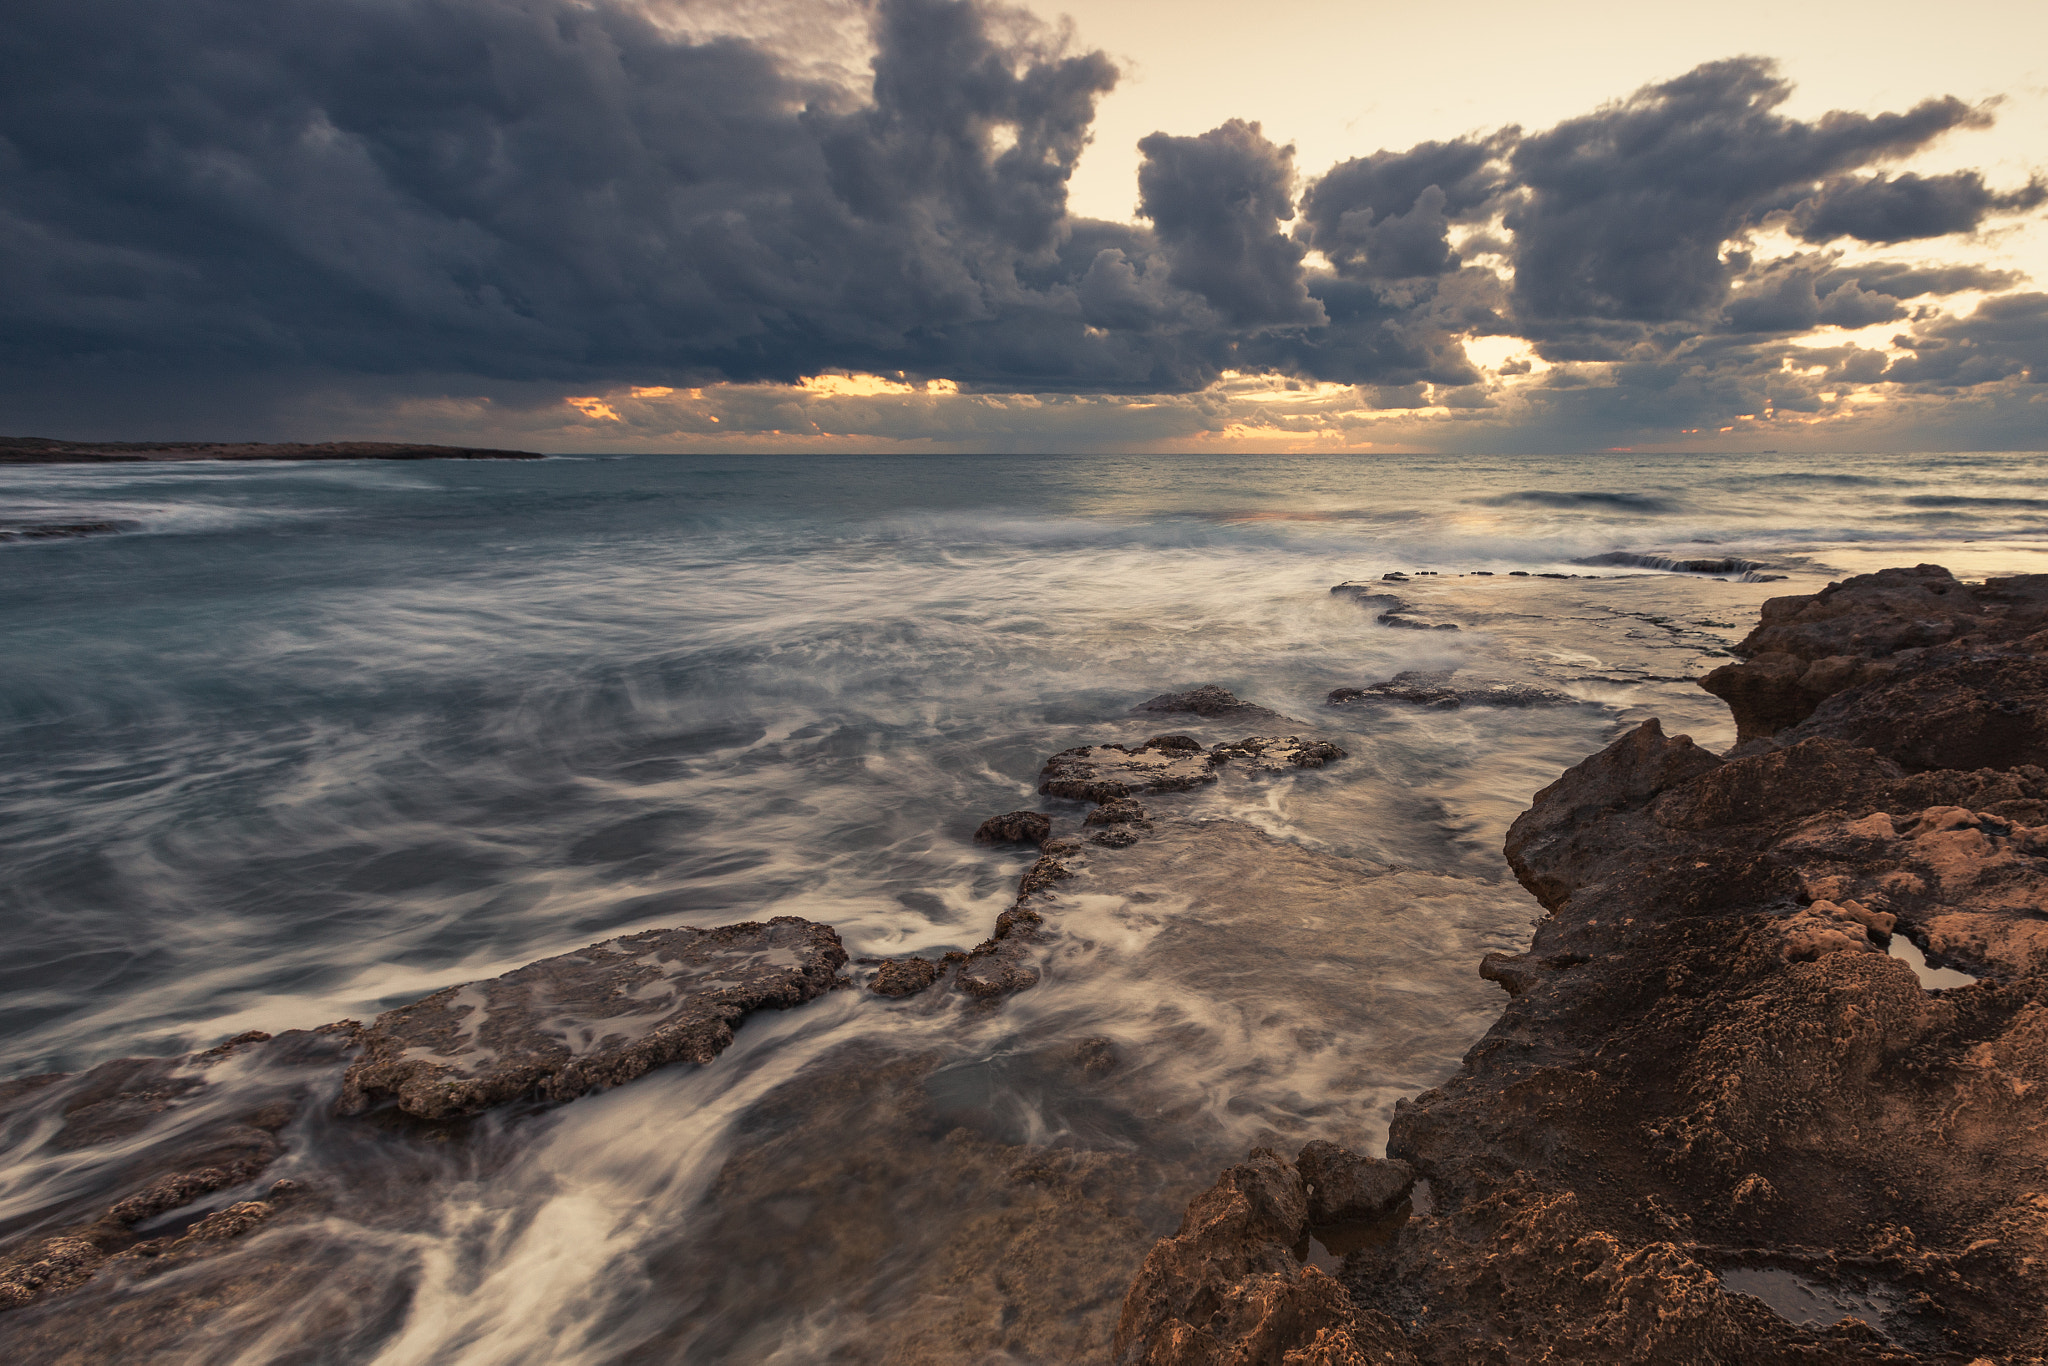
35	450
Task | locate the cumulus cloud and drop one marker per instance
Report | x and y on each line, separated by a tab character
1890	209
1390	214
1622	214
209	207
1217	202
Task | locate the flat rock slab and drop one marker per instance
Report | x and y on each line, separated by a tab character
1211	703
1171	763
561	1027
1390	610
1442	689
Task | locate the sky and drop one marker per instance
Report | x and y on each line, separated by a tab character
954	225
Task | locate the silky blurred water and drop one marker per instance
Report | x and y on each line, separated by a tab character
309	741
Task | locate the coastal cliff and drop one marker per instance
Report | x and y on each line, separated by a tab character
1730	1112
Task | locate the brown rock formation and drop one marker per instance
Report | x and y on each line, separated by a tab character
1441	688
224	1136
1014	827
1211	703
1171	763
1717	1121
556	1029
1902	648
153	1138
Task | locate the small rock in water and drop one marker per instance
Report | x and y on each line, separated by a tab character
1437	689
1096	1055
1117	811
1208	701
1097	773
904	976
1344	1187
561	1027
1273	753
1014	827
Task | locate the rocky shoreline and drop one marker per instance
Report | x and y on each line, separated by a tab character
36	450
1727	1115
1718	1121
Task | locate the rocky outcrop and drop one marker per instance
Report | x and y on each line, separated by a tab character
152	1136
1344	1187
1014	827
1913	647
1718	1121
1171	763
164	1156
561	1027
1444	688
1211	703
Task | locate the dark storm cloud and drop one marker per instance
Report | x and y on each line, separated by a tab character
213	197
1217	202
1908	207
527	187
1390	214
1622	214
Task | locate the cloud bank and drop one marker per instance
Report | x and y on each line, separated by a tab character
321	210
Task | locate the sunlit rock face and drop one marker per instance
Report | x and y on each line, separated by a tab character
1664	1149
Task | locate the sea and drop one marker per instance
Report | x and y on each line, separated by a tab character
288	743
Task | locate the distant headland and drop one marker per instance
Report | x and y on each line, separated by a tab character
36	450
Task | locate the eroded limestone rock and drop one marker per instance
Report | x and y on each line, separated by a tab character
1707	1063
1443	688
561	1027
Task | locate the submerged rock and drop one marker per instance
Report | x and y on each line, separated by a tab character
1727	566
146	1137
1438	688
561	1027
13	530
1390	610
1277	753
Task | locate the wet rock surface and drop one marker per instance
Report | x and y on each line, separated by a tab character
1172	763
1211	703
1388	609
158	1164
582	1022
1710	1083
1014	827
1444	688
12	529
167	1134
